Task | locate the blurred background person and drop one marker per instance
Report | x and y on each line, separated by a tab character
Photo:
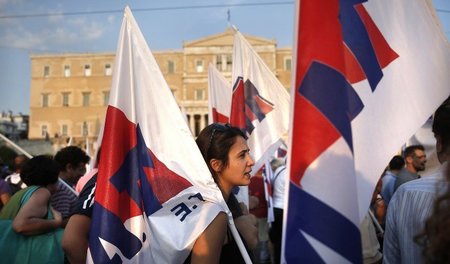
278	183
412	204
72	161
5	193
30	227
258	208
390	177
14	180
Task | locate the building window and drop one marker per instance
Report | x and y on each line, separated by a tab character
44	131
65	99
224	62
106	98
87	70
108	70
46	71
86	98
64	129
229	62
287	64
171	66
66	71
44	100
199	94
219	62
199	66
85	129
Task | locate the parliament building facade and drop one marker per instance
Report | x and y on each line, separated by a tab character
70	92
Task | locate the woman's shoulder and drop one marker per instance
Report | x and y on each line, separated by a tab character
37	193
41	191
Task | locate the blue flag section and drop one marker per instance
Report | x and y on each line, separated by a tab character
308	216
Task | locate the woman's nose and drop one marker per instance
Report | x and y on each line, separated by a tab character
251	162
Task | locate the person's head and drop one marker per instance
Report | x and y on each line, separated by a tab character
40	170
72	161
226	153
415	158
441	130
19	161
397	163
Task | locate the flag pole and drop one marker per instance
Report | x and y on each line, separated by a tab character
14	145
239	242
376	223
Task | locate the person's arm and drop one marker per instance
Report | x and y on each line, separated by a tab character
4	198
253	202
247	227
208	246
30	219
245	222
76	237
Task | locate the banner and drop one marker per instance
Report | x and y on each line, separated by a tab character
154	193
259	104
368	74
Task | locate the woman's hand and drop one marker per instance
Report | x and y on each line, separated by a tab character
57	217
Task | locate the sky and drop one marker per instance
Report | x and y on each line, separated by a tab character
40	27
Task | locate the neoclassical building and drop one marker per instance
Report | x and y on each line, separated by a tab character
70	92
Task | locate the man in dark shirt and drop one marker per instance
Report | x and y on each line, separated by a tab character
415	160
76	234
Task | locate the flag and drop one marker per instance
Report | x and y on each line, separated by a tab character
219	96
259	104
368	74
154	192
268	190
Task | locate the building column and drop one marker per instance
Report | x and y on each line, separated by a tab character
202	121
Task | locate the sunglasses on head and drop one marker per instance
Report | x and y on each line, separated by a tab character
216	127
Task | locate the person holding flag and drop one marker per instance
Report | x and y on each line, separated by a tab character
155	197
227	156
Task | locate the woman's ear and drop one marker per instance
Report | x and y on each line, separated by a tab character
215	164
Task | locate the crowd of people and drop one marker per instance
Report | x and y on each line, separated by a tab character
43	217
409	220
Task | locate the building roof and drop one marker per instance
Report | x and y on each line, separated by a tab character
226	38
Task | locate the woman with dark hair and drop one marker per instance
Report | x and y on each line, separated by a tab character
226	153
32	218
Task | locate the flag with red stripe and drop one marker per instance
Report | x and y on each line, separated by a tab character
219	96
154	193
368	74
259	104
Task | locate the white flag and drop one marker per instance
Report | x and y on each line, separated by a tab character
367	76
260	103
154	194
219	96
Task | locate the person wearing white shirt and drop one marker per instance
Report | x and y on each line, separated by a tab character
278	181
412	203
